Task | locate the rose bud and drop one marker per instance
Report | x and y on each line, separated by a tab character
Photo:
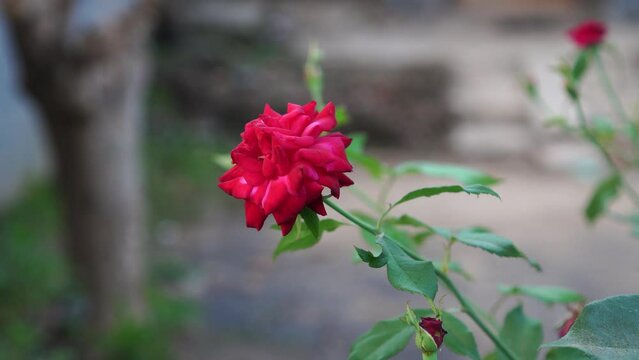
588	33
285	161
434	328
568	323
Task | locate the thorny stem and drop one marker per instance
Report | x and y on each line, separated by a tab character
581	115
465	304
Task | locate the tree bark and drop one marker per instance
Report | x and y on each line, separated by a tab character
90	92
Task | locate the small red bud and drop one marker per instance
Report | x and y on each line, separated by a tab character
567	325
434	328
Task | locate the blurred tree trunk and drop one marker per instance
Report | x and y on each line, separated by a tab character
90	90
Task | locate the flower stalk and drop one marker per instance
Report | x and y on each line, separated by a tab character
465	304
581	115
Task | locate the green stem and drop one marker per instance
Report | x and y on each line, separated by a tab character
581	115
365	199
447	255
466	306
380	221
386	187
613	97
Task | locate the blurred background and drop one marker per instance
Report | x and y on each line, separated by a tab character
115	240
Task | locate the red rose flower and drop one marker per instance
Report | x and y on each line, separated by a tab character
284	162
434	328
588	33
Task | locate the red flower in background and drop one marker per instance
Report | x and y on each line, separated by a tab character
434	328
568	323
284	162
588	33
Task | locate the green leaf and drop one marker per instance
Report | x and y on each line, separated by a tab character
565	70
606	329
222	160
355	153
530	88
581	65
304	238
341	115
408	274
566	354
459	339
374	167
557	121
523	335
311	221
411	221
464	175
432	191
490	356
389	229
493	244
546	294
358	143
383	341
372	260
604	194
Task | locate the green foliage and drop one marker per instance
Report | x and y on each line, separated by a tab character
37	290
566	354
134	340
432	191
399	235
607	191
408	274
462	174
33	274
522	334
493	244
355	154
546	294
606	329
411	221
582	62
311	220
389	337
459	339
558	121
383	341
342	116
301	237
224	161
372	260
530	88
